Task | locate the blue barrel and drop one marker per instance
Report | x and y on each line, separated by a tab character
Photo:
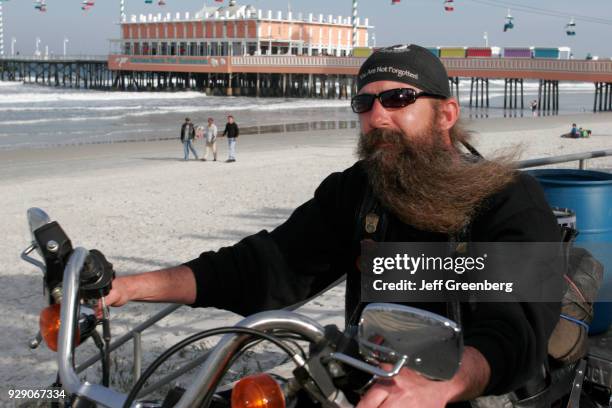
589	194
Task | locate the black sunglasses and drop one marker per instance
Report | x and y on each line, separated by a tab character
393	98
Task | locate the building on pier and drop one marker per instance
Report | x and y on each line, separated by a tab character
240	30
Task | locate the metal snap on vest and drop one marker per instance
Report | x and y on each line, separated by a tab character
371	223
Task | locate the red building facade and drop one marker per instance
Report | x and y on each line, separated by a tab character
238	30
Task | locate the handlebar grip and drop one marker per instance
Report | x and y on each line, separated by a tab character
97	276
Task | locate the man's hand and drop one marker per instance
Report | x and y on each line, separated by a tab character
118	296
410	389
407	389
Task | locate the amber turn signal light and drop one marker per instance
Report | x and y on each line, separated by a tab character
257	391
49	323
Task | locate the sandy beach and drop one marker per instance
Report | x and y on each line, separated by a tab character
147	209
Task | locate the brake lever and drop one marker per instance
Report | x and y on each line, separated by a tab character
25	255
370	369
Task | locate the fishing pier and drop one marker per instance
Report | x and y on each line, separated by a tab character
238	50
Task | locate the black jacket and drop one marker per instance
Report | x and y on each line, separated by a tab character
231	130
187	130
317	245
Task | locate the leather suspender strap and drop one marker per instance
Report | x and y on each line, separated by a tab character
371	225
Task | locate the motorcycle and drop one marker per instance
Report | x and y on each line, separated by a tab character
335	371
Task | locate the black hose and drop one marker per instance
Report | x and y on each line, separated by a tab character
208	399
100	345
281	334
471	149
106	334
191	339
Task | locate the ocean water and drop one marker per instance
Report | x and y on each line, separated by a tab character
34	116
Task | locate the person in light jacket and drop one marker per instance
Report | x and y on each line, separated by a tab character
210	139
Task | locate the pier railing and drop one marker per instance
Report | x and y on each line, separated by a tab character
531	68
297	61
55	58
579	70
581	158
529	64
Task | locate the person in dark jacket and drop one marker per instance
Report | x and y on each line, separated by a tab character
187	136
231	131
412	163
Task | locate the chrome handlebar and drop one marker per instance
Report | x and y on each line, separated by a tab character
101	395
209	375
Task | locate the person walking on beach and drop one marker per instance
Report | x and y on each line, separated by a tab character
187	136
232	131
210	135
413	182
534	107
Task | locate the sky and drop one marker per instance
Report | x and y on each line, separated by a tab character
421	22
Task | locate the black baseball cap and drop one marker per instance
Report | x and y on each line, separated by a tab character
410	64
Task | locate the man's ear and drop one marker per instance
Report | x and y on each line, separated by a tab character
448	113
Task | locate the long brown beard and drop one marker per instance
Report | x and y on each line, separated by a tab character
430	186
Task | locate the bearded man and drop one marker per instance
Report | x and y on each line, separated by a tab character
411	162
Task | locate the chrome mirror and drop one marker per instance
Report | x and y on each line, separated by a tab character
429	343
36	219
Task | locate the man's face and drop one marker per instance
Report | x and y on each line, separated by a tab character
415	170
413	121
230	119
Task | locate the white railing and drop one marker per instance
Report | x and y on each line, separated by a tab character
581	158
297	61
100	58
529	64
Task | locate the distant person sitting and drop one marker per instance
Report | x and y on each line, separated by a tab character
585	132
574	131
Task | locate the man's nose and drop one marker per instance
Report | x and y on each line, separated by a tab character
379	116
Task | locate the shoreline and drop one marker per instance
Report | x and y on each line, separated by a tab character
312	126
19	162
58	161
49	118
479	123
